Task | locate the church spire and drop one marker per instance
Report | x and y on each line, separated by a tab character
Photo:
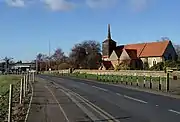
109	31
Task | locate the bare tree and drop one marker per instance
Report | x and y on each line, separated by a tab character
86	55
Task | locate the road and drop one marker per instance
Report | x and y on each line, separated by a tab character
103	102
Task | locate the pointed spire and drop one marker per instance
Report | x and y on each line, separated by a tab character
109	31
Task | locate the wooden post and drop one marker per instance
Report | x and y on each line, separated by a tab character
167	82
10	103
144	81
137	81
126	80
121	78
21	92
24	86
159	83
27	80
150	85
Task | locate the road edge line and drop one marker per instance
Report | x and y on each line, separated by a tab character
62	110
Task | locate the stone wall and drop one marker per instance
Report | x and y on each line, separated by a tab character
123	72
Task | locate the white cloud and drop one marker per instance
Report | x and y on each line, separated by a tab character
61	5
101	3
15	3
138	5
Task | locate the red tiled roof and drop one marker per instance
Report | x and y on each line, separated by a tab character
139	47
154	49
148	49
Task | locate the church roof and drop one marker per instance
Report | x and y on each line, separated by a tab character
149	49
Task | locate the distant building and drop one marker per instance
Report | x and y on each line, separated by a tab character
19	67
136	55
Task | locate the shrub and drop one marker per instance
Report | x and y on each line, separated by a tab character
63	66
146	66
122	66
158	67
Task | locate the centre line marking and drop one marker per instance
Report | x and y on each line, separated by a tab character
100	88
177	112
119	94
138	100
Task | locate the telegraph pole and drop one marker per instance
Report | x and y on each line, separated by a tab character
49	55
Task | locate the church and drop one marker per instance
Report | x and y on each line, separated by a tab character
135	55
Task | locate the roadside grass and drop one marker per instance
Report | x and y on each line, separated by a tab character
5	81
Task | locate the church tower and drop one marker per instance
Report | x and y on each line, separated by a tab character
108	45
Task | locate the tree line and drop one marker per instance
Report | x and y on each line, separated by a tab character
85	55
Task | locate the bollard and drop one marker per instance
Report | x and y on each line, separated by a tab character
121	79
21	92
10	103
150	82
144	81
159	83
137	81
167	82
131	80
126	80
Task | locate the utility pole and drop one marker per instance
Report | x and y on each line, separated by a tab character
49	55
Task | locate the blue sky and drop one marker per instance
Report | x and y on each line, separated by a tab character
27	26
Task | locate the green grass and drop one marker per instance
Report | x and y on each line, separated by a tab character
5	81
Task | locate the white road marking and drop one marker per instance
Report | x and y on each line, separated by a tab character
177	112
119	94
157	105
138	100
84	109
60	107
91	105
100	88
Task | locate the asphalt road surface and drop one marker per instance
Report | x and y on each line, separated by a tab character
93	101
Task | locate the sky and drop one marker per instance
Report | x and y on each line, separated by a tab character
27	26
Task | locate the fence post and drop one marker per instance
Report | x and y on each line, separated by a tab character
167	82
24	85
131	80
159	83
144	81
21	92
27	80
10	103
126	80
137	81
121	79
97	77
150	82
